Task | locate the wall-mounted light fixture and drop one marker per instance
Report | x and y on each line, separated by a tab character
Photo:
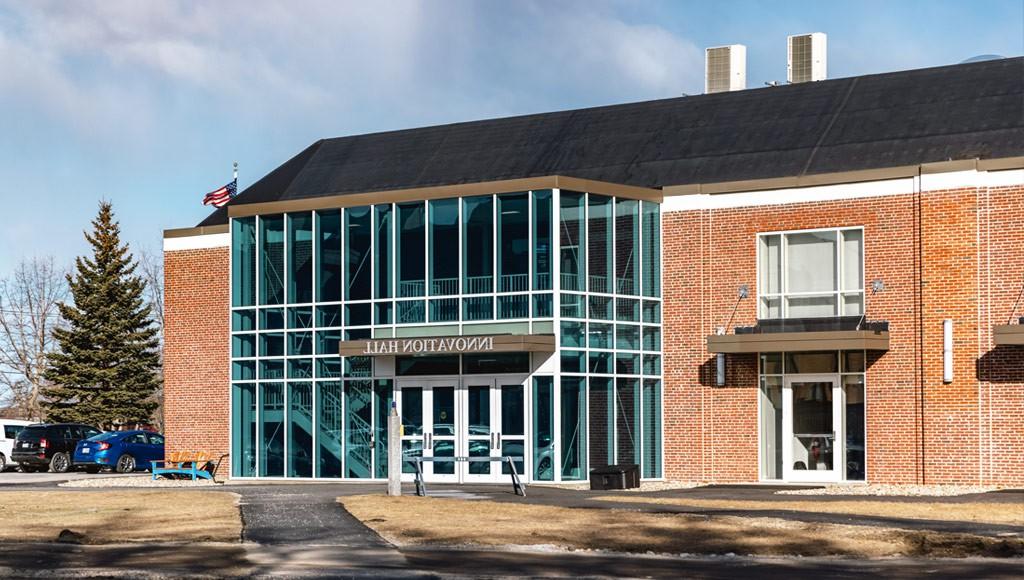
947	351
720	369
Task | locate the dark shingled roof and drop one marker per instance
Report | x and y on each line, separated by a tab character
963	111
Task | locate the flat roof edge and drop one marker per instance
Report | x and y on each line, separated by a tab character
195	231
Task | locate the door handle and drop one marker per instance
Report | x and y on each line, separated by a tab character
492	439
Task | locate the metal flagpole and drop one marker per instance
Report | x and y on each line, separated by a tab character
236	173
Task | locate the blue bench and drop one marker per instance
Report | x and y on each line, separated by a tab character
194	465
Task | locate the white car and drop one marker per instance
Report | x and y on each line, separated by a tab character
8	431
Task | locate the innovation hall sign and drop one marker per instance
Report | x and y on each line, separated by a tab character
449	345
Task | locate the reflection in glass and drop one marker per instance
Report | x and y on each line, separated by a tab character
478	241
243	424
771	427
813	429
300	434
243	261
599	231
329	429
384	249
383	396
272	259
572	255
627	419
411	249
543	429
651	401
853	387
271	430
542	239
651	248
328	255
627	233
513	242
444	245
358	232
358	429
574	428
300	257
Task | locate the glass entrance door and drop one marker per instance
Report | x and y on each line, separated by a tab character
812	428
473	417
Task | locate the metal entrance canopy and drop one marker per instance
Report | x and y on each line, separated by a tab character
459	344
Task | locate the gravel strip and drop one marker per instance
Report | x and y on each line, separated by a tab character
879	489
138	481
644	485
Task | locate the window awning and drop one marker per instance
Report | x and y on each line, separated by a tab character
1008	334
867	339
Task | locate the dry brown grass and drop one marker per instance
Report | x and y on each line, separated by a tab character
120	516
988	513
451	522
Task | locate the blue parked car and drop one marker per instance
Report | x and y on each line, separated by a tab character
122	451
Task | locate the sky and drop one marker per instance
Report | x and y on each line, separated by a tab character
147	104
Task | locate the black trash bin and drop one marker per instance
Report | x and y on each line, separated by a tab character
623	476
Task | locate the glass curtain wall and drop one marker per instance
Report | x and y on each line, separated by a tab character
304	281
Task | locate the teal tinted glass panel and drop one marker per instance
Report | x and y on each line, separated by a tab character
383	312
243	345
573	361
651	464
300	257
627	246
300	368
513	242
572	249
300	434
411	249
358	366
542	306
384	250
572	305
495	363
357	314
478	244
358	429
574	428
627	363
271	454
652	364
271	318
243	320
329	429
243	261
243	426
627	309
271	259
272	344
411	311
543	447
328	255
327	341
243	370
600	335
542	203
627	337
444	310
301	317
515	306
651	253
573	334
652	338
599	232
602	422
444	245
358	333
478	308
271	369
652	311
600	362
328	315
627	420
601	307
328	368
300	343
358	267
383	395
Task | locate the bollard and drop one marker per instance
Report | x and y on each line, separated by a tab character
394	452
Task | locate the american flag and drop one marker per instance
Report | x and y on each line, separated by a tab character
220	197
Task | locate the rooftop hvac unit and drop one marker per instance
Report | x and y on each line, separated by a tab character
725	68
806	57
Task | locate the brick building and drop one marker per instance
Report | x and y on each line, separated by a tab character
808	283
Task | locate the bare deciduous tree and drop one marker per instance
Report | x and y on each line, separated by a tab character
151	268
28	315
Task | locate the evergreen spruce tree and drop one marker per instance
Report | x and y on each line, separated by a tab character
104	372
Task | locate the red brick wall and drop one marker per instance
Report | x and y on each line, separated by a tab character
196	356
973	261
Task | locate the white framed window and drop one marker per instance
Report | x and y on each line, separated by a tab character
811	273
